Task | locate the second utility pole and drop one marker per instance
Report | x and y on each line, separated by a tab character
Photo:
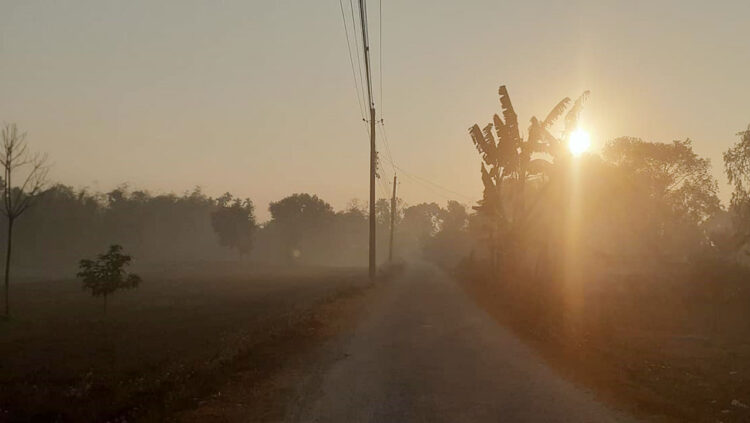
373	154
393	221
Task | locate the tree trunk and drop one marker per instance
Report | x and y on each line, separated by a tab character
493	252
7	268
105	304
520	211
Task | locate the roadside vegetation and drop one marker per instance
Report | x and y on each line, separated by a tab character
623	268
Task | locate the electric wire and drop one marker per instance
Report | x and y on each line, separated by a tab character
359	87
383	189
366	52
428	187
380	54
426	181
384	137
351	61
359	52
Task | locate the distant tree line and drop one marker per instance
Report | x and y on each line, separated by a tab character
635	202
66	224
638	198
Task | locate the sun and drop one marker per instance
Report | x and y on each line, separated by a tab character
579	141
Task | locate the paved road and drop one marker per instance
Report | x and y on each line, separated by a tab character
423	352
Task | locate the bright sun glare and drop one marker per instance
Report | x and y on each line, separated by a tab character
579	141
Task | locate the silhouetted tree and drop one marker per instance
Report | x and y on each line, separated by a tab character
671	176
737	167
382	212
420	222
107	274
234	223
348	232
455	217
18	162
509	158
144	224
64	225
298	218
452	241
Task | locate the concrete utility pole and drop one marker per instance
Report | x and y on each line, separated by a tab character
393	221
373	154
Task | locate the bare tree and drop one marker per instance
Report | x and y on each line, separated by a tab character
19	163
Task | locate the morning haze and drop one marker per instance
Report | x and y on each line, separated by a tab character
374	211
227	95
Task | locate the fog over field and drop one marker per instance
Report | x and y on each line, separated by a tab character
374	211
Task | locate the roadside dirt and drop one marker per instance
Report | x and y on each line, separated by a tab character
259	385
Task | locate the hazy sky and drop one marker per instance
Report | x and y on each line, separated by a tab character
257	98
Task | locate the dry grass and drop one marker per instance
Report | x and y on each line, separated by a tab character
671	345
161	348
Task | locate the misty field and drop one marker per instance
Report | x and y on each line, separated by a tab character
160	348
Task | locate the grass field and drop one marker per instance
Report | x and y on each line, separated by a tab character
672	345
158	349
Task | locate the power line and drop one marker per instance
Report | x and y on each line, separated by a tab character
380	55
387	146
366	49
383	174
393	220
384	135
432	186
423	181
413	176
383	188
438	193
427	181
365	54
351	60
357	40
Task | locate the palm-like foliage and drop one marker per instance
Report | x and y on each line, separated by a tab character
508	159
506	156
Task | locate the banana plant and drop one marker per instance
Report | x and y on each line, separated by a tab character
508	159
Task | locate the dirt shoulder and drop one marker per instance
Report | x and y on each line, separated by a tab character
258	385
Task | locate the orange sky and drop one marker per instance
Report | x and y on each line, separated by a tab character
257	98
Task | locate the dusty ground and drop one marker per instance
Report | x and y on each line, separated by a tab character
412	349
261	393
316	345
664	357
175	341
424	352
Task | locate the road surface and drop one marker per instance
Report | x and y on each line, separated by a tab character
423	352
